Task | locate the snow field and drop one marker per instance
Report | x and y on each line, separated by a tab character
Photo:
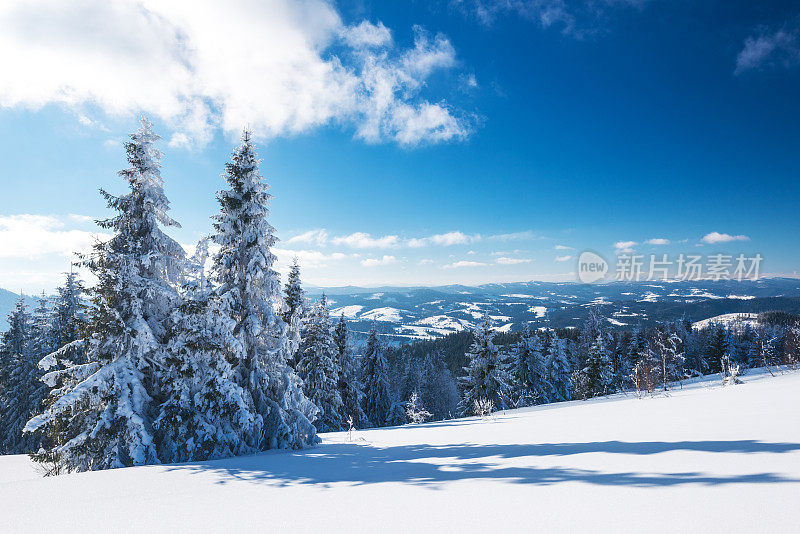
704	458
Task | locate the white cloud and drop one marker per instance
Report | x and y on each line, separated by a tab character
81	218
308	259
563	247
364	240
781	47
624	247
527	234
511	261
377	262
563	258
291	67
574	19
657	241
33	236
425	261
367	34
460	264
444	240
716	237
318	237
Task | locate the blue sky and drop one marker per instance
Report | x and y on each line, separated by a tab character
414	142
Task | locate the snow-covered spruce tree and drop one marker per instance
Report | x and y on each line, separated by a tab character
559	371
203	412
529	373
318	366
599	371
375	376
249	289
102	414
41	329
350	388
294	308
69	312
438	387
20	390
485	378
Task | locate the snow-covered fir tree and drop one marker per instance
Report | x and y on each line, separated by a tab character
42	337
350	388
397	415
69	312
599	371
101	416
485	378
530	379
318	367
21	391
375	377
294	307
249	289
203	412
559	371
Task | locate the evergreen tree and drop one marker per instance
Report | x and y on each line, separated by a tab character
20	390
249	289
350	388
559	371
294	304
42	338
599	371
293	294
530	375
716	348
69	312
486	378
375	376
319	369
203	412
101	416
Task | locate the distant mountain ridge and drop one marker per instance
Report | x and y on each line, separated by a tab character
421	312
403	313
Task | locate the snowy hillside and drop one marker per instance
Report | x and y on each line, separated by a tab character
727	319
702	459
401	314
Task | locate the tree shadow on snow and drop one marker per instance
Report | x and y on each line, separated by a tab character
431	465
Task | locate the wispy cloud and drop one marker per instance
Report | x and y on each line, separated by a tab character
312	69
462	264
657	241
624	247
317	237
512	261
377	262
365	240
563	258
309	259
574	19
769	49
716	237
445	240
514	236
563	247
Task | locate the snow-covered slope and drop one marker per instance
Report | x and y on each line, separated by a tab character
703	459
728	319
